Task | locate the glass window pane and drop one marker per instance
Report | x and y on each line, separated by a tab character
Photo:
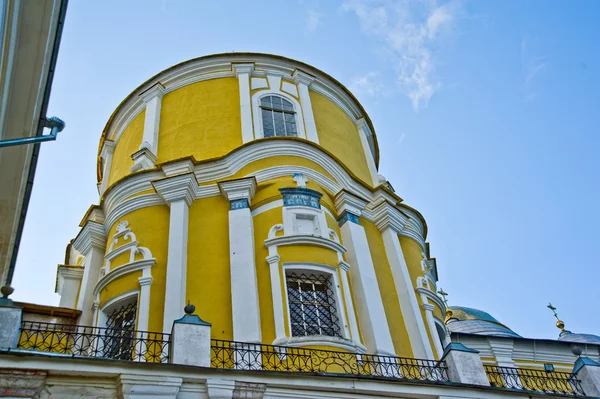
268	133
267	117
266	102
287	106
279	127
276	102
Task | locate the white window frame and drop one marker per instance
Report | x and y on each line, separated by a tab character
290	216
340	306
117	302
257	114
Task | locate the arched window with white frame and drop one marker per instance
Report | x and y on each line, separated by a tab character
278	117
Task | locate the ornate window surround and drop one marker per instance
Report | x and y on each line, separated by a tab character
341	307
257	114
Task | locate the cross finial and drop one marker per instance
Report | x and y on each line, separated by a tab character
559	323
444	295
300	179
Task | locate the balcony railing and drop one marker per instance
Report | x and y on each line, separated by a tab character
246	356
121	344
523	379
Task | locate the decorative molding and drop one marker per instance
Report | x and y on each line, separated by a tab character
178	167
301	196
301	77
137	265
91	236
244	188
322	340
241	203
305	240
242	68
177	188
347	217
143	159
348	202
155	91
345	266
433	297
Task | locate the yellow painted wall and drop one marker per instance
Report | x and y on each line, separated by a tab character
201	119
151	228
262	225
338	134
388	290
128	143
208	273
308	253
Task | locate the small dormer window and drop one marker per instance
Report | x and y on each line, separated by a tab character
278	117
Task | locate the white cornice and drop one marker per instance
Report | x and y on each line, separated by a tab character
157	90
178	167
120	271
242	68
175	188
305	240
91	236
107	149
238	189
301	77
347	202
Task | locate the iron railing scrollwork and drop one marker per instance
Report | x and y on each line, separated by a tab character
556	383
110	343
247	356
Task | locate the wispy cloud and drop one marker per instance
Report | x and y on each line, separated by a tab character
312	21
533	67
368	85
410	32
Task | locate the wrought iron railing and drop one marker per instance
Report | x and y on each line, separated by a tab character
246	356
556	383
141	346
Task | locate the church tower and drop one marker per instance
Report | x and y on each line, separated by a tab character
247	185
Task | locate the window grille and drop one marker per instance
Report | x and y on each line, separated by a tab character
278	117
120	332
312	306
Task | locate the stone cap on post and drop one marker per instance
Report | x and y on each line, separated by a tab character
588	372
464	365
190	340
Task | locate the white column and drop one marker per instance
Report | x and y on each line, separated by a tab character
244	286
371	313
146	156
432	328
244	73
69	280
344	267
108	148
365	135
303	81
179	192
91	243
153	100
417	334
144	307
277	295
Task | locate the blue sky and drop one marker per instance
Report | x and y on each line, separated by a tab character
486	114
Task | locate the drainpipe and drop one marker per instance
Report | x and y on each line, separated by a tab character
55	124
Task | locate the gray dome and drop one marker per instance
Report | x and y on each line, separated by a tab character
568	336
480	327
474	321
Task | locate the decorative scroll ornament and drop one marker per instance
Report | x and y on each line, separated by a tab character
123	235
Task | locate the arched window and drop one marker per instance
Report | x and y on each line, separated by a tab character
278	117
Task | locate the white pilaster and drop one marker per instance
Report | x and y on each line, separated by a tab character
344	267
303	81
91	243
244	286
371	312
273	261
244	73
146	156
153	100
366	134
144	302
179	192
415	326
432	328
69	279
108	148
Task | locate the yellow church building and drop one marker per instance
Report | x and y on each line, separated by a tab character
244	188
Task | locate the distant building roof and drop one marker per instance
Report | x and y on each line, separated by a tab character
474	321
